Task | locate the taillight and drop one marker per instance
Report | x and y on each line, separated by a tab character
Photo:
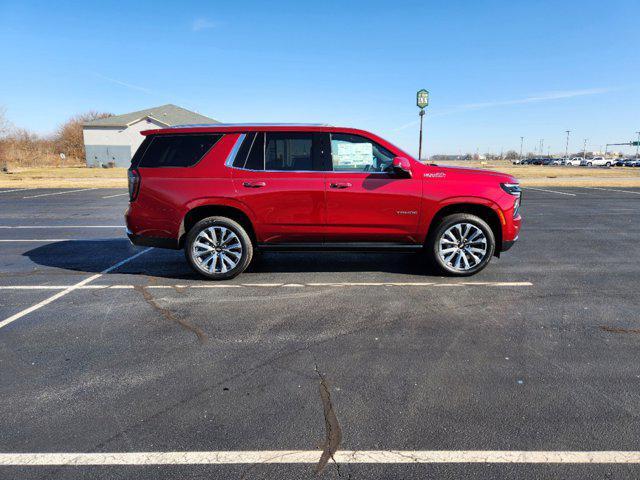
133	177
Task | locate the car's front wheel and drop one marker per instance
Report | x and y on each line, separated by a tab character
461	244
218	248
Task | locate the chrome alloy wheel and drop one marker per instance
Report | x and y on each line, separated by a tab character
216	250
462	247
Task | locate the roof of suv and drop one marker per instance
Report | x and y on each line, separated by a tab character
271	127
246	127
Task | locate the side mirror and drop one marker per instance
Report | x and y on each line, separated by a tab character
402	167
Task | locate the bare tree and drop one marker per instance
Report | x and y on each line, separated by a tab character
5	125
511	155
69	138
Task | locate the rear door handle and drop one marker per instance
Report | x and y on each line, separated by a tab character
340	185
254	184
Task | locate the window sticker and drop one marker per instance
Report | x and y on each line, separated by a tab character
352	155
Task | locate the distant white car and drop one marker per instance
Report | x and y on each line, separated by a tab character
575	161
600	162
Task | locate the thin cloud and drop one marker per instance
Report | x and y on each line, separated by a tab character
125	84
202	24
538	98
542	97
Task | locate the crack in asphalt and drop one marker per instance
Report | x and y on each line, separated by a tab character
606	328
334	432
169	315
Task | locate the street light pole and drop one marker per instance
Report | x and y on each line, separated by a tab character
584	149
521	140
638	145
566	150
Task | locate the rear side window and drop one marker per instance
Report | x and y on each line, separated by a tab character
177	150
251	153
289	151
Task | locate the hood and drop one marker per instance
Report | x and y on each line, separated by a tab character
477	172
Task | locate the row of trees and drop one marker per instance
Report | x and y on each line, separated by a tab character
20	147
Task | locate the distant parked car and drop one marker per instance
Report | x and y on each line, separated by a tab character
574	162
547	161
600	162
559	161
517	161
632	163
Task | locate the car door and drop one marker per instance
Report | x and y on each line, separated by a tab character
366	201
279	176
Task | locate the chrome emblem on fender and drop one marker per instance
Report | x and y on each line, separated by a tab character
435	175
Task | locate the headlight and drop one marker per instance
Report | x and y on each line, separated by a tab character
515	190
512	188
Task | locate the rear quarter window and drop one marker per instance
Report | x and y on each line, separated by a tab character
177	150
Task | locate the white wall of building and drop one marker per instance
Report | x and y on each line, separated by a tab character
115	144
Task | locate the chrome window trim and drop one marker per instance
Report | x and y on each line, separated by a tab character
234	151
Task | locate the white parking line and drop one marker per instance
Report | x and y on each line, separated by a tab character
43	240
60	193
50	240
313	456
550	191
29	227
68	289
116	195
613	190
16	190
270	285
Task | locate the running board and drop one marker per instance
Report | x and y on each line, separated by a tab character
340	247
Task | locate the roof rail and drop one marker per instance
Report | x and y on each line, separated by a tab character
232	125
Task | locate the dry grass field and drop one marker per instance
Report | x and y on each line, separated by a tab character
529	175
560	176
64	177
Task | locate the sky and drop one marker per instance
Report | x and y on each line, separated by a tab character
495	70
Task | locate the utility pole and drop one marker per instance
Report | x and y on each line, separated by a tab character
566	149
541	146
584	149
422	100
521	141
638	145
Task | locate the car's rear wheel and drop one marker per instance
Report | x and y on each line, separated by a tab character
218	248
461	244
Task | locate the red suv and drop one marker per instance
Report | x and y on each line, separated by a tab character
224	191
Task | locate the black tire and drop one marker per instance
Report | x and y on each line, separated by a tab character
432	245
221	255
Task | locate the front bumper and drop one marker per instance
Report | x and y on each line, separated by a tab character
507	244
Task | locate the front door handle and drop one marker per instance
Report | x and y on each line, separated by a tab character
254	184
340	185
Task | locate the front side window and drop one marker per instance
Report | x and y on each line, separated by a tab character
289	151
177	150
353	153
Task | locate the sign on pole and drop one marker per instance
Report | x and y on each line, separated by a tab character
422	98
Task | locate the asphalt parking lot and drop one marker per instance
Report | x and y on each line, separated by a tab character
368	355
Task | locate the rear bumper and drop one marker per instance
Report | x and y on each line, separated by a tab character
156	242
